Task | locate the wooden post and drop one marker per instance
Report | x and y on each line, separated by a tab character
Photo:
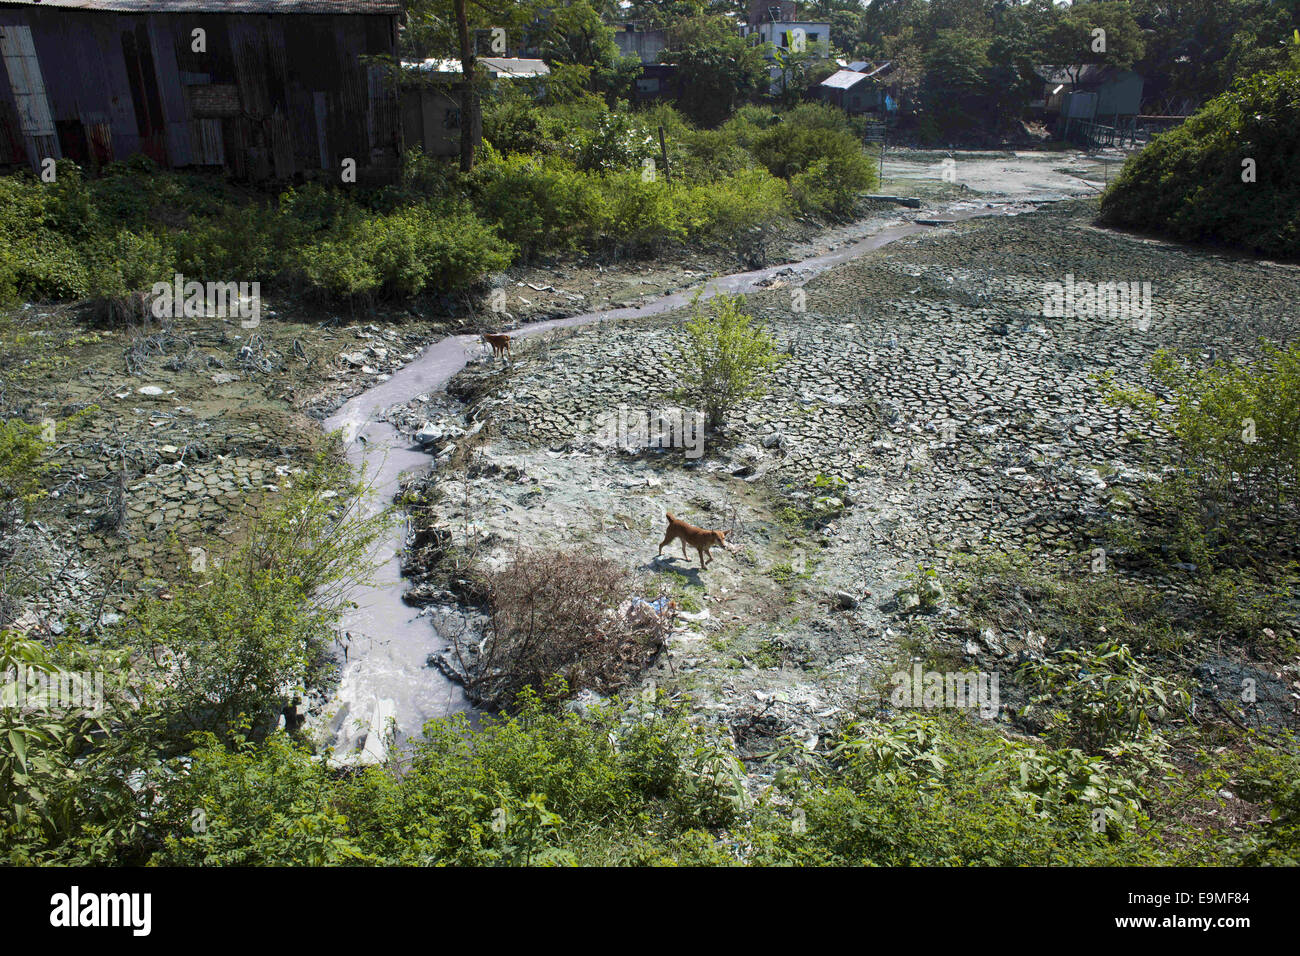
663	157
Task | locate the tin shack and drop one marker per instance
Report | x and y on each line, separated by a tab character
261	88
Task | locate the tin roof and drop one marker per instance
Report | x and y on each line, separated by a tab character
496	65
843	79
391	7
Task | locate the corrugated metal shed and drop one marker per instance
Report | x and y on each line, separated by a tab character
266	95
384	7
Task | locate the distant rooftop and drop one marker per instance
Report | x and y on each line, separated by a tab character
390	7
497	66
843	79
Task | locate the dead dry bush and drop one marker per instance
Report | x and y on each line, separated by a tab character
564	613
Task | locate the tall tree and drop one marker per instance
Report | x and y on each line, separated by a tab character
450	29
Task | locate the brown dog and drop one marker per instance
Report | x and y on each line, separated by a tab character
698	538
500	343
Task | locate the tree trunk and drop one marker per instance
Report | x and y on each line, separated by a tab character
468	97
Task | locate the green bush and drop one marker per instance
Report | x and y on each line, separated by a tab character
238	244
725	360
21	467
1270	777
1187	183
247	632
540	788
126	262
935	790
413	250
39	262
824	163
732	207
615	142
748	122
640	216
63	769
540	204
517	127
251	805
1237	433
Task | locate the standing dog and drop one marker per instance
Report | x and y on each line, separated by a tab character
698	538
500	343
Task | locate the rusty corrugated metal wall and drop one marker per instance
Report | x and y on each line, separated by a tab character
271	96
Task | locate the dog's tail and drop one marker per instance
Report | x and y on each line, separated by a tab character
671	519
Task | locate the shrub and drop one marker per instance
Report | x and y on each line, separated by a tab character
63	769
703	156
21	468
413	250
616	142
238	244
826	167
539	204
558	614
1237	429
268	805
517	127
1187	183
729	208
725	360
933	790
1101	697
248	632
553	788
640	216
1270	776
540	788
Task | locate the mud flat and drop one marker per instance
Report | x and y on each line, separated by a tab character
929	413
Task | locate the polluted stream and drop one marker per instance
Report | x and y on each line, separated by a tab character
386	682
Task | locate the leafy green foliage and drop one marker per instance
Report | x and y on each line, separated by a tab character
1188	183
1270	775
934	790
824	163
1099	697
117	235
246	635
62	758
540	788
21	448
726	360
243	804
1237	477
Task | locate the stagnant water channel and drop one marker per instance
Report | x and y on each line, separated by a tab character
385	675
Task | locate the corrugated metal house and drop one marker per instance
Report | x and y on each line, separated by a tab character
862	87
269	88
1118	93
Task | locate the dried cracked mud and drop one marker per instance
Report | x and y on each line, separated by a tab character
928	412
